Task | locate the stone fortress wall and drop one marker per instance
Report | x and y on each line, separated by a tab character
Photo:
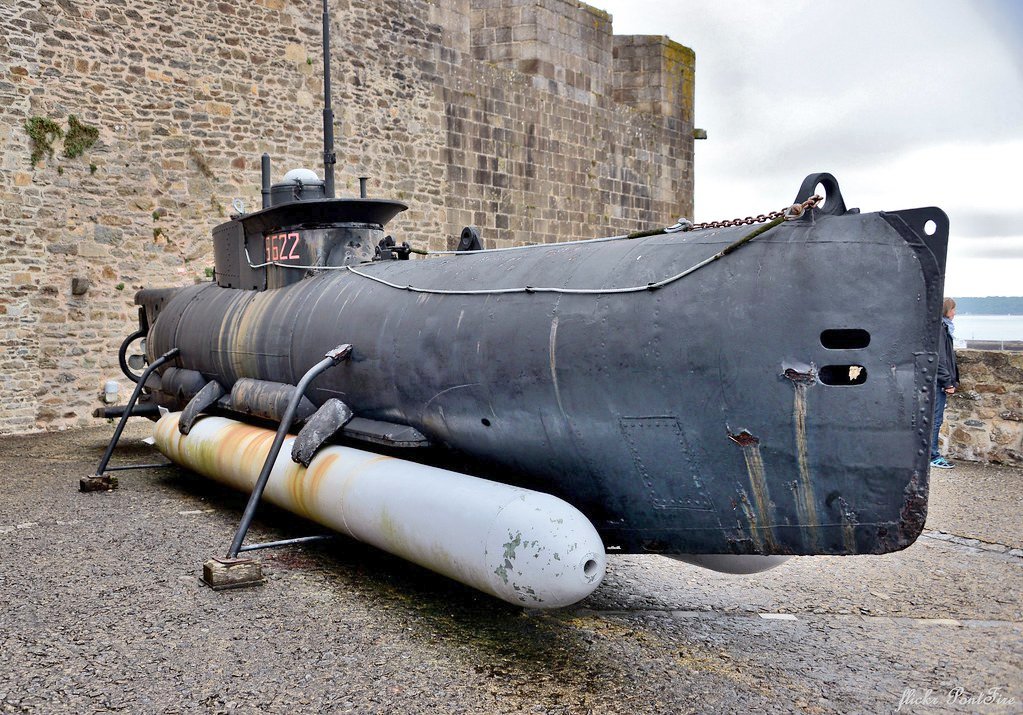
527	118
984	418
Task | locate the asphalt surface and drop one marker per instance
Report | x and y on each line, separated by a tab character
102	610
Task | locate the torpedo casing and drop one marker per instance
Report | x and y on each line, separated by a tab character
689	419
524	547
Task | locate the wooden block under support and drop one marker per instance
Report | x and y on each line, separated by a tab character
223	573
97	483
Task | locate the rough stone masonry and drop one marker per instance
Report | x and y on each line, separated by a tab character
527	118
984	418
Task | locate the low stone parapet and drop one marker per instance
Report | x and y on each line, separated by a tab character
984	418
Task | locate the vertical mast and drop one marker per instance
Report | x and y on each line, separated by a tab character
329	158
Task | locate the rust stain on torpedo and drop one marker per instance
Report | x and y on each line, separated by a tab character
304	482
803	488
758	485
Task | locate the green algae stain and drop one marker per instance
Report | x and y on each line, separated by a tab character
509	547
502	571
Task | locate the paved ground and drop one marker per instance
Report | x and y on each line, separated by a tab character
101	610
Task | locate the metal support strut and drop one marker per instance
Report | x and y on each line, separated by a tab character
100	481
232	571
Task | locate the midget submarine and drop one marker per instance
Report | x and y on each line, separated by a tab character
727	394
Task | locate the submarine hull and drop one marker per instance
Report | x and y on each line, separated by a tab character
776	401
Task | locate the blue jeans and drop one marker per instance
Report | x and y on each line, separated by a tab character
939	417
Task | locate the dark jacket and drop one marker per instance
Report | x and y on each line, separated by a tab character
948	371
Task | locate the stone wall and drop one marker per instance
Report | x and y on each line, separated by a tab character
566	47
984	418
527	118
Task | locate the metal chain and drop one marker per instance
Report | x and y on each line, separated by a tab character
792	212
683	224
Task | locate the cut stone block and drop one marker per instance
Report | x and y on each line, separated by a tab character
222	573
93	483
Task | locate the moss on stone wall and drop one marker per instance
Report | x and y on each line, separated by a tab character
79	137
42	132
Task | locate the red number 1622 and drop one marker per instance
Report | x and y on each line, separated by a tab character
282	246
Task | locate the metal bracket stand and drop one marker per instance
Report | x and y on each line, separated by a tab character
234	572
101	481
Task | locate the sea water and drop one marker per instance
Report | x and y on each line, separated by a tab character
988	327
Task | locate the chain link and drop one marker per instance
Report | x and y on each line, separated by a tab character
792	212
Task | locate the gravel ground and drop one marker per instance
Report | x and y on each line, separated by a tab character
102	611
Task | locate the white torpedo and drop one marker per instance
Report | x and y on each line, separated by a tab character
522	546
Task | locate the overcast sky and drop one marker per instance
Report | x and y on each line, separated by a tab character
908	104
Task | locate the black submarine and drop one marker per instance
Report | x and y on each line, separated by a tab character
729	395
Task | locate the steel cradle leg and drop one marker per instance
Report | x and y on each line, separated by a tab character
101	481
233	571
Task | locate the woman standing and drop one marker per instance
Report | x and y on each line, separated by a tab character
948	378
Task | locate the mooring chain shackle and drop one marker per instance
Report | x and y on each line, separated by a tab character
796	210
790	213
683	224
